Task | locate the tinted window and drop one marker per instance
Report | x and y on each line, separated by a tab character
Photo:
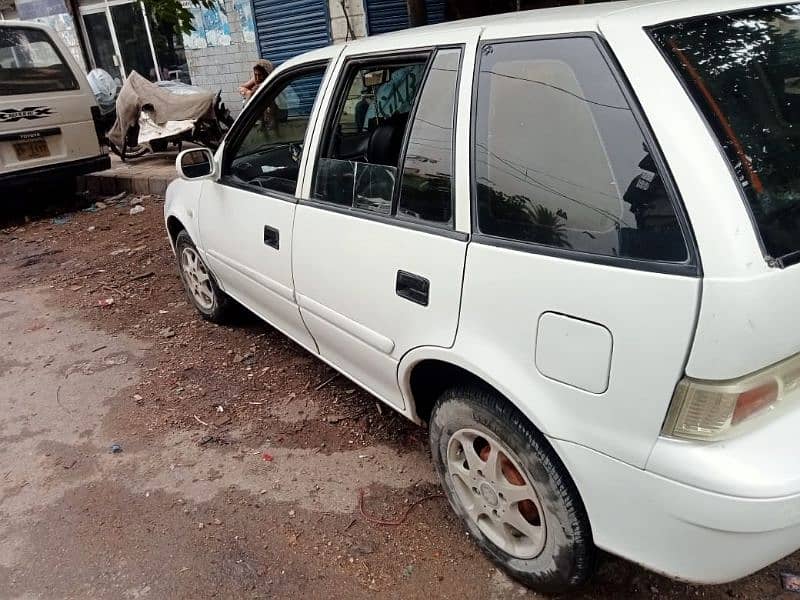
361	154
426	186
560	159
743	69
31	64
268	156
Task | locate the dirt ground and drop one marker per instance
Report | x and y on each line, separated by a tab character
241	457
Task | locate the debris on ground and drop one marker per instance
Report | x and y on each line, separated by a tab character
166	332
790	582
62	220
392	522
221	420
113	360
267	457
117	198
116	448
138	208
105	302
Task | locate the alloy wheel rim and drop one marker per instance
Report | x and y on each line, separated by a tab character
495	493
197	278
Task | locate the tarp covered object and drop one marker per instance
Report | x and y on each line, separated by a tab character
162	105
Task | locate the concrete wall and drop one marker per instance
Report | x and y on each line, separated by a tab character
224	67
358	19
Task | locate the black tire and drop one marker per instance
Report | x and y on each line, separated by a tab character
568	557
221	305
158	145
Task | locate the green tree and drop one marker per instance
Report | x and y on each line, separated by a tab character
173	13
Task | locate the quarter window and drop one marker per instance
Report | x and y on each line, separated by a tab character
268	156
426	185
560	159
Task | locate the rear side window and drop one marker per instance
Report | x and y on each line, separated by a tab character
560	159
30	63
389	145
743	69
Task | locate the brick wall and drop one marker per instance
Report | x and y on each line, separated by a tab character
358	19
224	67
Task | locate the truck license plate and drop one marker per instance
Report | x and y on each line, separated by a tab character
31	150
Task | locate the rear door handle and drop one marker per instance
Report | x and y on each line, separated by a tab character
413	287
272	237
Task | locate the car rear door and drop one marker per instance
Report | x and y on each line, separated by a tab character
45	102
379	245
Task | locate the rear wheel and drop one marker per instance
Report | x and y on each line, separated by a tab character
511	490
199	283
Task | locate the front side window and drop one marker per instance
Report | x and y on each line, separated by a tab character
743	69
560	159
268	155
31	64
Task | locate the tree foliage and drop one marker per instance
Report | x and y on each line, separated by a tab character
173	13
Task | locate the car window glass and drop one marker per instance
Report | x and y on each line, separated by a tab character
743	69
560	159
426	185
31	64
268	156
359	163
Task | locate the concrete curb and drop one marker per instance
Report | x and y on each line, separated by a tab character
107	183
150	175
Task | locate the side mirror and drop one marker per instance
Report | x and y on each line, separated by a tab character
195	163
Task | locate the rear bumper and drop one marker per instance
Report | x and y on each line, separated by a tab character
46	173
682	531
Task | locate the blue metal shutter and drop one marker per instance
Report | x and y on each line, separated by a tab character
390	15
436	11
286	28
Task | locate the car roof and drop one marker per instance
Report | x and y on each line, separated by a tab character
545	21
578	18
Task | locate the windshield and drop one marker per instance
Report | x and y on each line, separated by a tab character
31	64
743	69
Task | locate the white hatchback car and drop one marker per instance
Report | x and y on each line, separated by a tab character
565	239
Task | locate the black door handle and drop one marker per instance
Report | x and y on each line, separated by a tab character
272	237
413	287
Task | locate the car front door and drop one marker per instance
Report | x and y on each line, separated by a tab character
246	217
379	248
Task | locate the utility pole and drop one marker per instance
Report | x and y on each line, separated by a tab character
417	13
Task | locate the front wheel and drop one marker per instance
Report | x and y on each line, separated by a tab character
511	490
208	299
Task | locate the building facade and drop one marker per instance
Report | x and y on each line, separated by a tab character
120	37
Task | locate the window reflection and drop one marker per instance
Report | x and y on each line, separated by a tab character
560	159
428	169
744	71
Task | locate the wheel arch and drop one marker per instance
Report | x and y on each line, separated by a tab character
174	227
424	373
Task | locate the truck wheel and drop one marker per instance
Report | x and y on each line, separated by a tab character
511	490
208	299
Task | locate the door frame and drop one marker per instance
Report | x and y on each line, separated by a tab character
105	7
378	48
